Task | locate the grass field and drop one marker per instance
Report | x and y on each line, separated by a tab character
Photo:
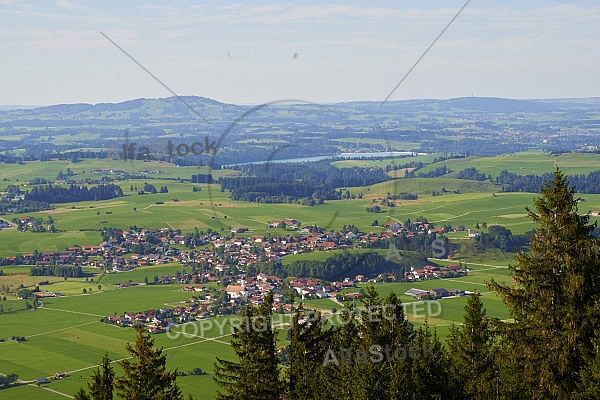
524	163
467	209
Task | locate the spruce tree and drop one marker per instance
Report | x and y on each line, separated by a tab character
554	296
470	350
103	378
340	379
256	375
101	387
146	376
430	376
82	395
383	328
308	345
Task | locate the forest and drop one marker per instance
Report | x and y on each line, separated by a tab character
512	182
57	270
344	264
292	182
73	193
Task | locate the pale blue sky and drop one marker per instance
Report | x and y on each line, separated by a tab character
53	52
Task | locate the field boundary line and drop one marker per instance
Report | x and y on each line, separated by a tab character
63	329
72	312
164	349
50	390
472	263
460	280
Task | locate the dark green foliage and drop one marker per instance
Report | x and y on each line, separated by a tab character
256	374
57	270
73	193
308	343
511	182
8	380
338	266
307	183
145	377
503	239
82	395
202	178
101	387
555	297
472	174
470	351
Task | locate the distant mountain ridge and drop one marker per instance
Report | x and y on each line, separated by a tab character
482	104
244	133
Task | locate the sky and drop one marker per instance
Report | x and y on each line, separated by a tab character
54	52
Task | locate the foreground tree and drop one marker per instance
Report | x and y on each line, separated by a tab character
470	350
101	387
146	376
103	379
308	345
554	297
256	375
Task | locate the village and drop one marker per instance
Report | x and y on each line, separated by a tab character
229	260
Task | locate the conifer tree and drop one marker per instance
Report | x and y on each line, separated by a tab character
256	375
429	374
82	395
341	379
383	328
470	351
308	345
146	376
101	387
103	378
555	295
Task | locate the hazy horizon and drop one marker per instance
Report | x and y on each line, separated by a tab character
8	107
61	52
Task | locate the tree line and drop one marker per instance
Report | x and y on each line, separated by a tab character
499	237
335	267
512	182
284	182
202	178
66	271
73	193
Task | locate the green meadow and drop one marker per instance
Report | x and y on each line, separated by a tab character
524	163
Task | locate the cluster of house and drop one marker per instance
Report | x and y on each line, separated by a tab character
433	294
157	320
116	252
288	223
308	288
121	175
200	307
250	290
230	255
433	272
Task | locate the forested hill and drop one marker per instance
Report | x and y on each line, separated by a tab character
473	125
